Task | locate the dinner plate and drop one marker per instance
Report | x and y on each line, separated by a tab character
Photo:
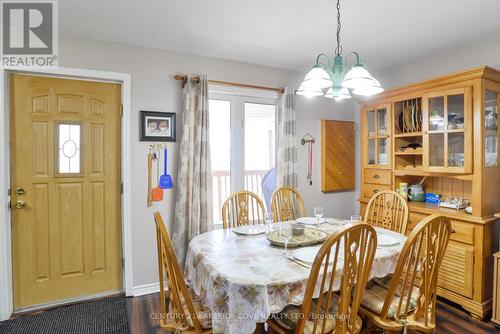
308	254
250	229
385	240
400	122
333	221
407	119
310	220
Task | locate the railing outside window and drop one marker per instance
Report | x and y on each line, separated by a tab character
221	188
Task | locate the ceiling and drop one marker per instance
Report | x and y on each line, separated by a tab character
283	33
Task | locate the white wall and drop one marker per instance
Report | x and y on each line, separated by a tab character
310	111
484	50
153	88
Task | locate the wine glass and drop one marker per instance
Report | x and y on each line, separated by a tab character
268	218
285	232
318	212
355	219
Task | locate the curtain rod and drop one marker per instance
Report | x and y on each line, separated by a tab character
183	78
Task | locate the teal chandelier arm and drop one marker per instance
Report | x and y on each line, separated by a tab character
358	61
326	66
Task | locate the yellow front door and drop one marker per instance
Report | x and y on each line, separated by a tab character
65	189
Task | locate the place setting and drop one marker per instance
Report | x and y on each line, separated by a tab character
318	219
301	239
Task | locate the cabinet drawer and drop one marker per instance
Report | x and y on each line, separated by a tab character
371	189
377	176
456	271
463	232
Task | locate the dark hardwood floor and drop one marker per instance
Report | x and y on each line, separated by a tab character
450	318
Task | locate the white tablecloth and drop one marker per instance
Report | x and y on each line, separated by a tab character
244	279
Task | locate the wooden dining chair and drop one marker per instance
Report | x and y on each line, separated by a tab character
185	313
389	210
407	299
287	204
243	208
343	263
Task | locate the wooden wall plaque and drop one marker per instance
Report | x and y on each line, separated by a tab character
337	155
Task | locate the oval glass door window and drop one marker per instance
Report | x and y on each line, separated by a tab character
69	139
69	149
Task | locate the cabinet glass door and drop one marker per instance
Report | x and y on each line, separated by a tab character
377	125
456	149
382	152
371	123
456	117
436	150
448	131
490	129
371	152
382	122
436	113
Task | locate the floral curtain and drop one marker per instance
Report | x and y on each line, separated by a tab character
286	164
193	200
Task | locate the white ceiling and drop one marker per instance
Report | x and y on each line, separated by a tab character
283	33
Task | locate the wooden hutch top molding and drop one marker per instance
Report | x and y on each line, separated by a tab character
484	72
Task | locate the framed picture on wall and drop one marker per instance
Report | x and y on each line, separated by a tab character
157	126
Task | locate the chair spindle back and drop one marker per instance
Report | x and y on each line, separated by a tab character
343	263
182	308
389	210
418	268
287	204
243	208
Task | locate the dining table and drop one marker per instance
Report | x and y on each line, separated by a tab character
244	279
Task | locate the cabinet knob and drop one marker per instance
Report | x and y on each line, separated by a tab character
376	176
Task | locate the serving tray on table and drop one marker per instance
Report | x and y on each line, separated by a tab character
311	236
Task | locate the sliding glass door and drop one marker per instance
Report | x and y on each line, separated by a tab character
242	142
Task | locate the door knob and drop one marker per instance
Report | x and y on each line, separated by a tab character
20	204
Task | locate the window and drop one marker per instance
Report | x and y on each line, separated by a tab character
242	144
68	148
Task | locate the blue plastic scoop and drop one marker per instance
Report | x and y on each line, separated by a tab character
165	179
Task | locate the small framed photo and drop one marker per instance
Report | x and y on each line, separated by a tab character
157	126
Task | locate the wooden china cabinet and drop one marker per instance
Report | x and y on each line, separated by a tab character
443	133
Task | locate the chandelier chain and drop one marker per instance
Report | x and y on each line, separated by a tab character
338	49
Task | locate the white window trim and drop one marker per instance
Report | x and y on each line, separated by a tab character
242	91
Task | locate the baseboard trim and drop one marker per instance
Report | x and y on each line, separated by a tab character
146	289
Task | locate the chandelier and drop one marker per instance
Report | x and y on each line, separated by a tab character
332	75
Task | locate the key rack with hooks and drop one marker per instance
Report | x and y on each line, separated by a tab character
157	183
